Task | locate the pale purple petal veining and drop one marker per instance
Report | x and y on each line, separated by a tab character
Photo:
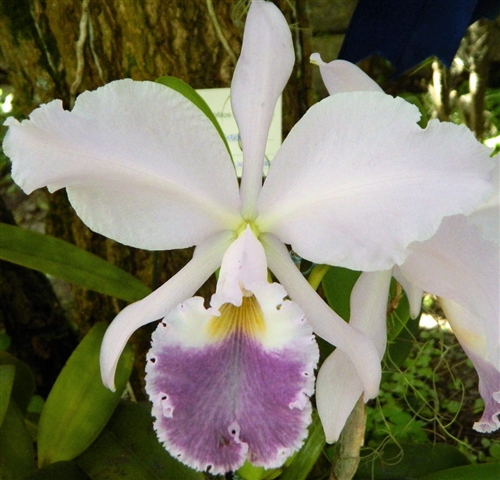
210	412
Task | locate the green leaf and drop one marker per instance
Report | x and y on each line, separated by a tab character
303	461
17	458
7	373
408	461
128	448
66	261
193	96
337	286
484	471
23	387
79	406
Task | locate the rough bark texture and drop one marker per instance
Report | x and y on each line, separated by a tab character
57	49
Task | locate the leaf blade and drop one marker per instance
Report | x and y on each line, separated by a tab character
63	260
79	406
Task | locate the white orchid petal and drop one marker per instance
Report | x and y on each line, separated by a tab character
141	164
357	180
263	68
206	259
338	386
341	76
324	321
487	215
368	302
474	334
458	264
413	293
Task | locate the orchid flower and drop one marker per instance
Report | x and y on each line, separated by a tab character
459	263
353	184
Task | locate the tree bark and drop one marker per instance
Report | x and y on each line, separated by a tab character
59	49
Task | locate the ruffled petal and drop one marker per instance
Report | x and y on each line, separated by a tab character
338	386
460	265
472	335
231	383
206	259
265	64
357	180
341	76
141	164
324	321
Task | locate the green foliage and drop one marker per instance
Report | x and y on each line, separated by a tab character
17	458
337	286
408	461
23	386
79	406
305	459
128	448
489	471
492	104
63	260
422	400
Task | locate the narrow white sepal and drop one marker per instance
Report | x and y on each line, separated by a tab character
338	386
206	259
324	321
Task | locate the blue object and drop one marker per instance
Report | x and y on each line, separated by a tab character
406	32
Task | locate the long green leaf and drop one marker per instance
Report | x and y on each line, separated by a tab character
79	406
485	471
17	458
304	460
337	285
409	461
23	387
66	261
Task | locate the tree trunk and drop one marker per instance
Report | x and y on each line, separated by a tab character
59	49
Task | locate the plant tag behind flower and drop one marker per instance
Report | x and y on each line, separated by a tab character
219	102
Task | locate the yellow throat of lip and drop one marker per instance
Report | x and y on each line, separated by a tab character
247	319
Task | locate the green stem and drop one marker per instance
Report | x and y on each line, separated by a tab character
317	274
346	457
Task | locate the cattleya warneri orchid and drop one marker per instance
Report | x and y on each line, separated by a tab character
460	264
354	183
